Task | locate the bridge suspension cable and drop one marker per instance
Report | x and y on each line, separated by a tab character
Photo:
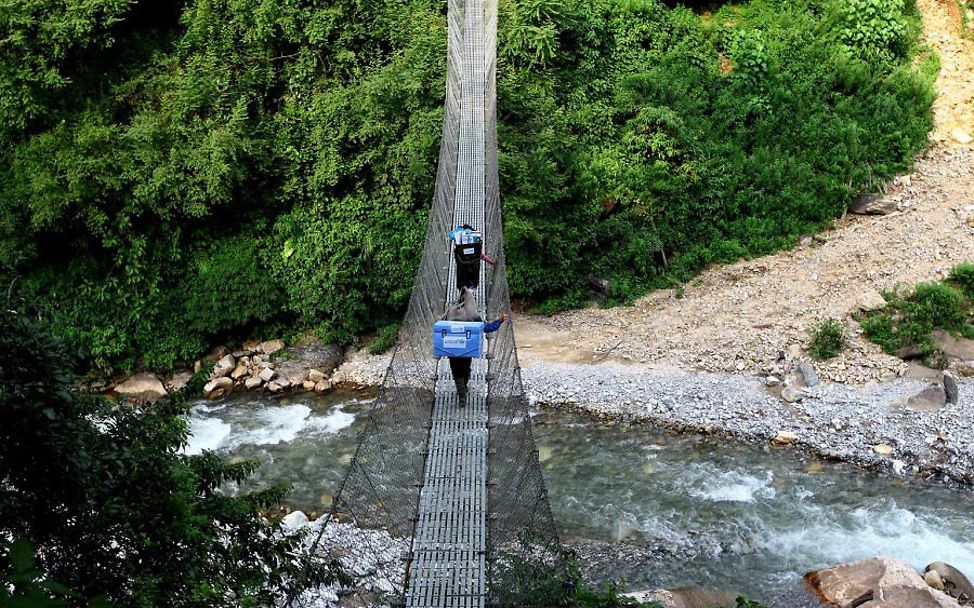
443	503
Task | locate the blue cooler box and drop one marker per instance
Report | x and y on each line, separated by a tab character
458	339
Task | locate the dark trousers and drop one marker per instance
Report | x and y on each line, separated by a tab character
468	274
460	367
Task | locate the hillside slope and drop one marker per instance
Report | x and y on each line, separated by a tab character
742	316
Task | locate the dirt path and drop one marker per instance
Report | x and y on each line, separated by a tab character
742	317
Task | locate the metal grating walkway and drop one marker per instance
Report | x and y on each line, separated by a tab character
448	555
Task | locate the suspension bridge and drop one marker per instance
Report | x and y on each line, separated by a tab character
459	484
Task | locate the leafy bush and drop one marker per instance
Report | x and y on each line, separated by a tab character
178	173
112	507
962	276
385	339
873	28
908	321
828	339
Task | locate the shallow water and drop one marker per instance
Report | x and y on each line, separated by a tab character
647	506
748	519
304	440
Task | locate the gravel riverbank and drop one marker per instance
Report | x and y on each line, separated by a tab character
869	426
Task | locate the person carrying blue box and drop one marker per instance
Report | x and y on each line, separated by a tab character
465	311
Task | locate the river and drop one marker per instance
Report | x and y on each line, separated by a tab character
643	507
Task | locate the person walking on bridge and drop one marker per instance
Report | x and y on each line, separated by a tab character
466	311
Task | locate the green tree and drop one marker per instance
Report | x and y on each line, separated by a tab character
175	174
114	509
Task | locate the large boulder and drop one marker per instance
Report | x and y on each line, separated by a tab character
297	362
955	348
240	371
806	374
933	397
953	580
872	204
951	390
216	354
880	582
961	136
223	367
784	438
216	388
294	522
870	300
270	346
144	387
179	380
684	597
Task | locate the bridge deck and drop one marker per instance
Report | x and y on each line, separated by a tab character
448	556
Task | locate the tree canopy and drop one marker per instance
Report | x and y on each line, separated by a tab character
176	174
115	511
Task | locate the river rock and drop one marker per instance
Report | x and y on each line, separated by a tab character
961	136
955	583
267	374
655	597
338	378
933	579
252	383
322	386
872	204
217	387
792	394
294	521
684	597
295	374
933	397
965	368
883	449
315	375
870	300
270	346
910	352
955	348
806	372
880	582
918	371
144	386
951	390
179	380
240	371
899	467
784	438
216	354
223	367
308	385
251	345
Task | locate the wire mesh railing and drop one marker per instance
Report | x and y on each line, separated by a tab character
378	506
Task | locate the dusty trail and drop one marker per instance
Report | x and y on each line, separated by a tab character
741	317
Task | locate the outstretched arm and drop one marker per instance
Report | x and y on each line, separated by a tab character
495	325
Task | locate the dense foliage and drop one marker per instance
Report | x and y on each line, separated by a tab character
909	319
828	339
174	173
117	515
